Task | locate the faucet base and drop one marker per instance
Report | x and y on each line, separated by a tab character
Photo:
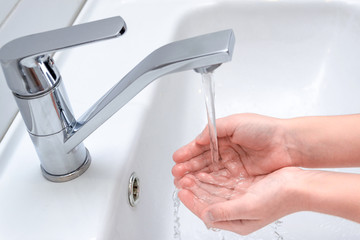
71	175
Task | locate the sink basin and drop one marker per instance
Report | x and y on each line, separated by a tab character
291	58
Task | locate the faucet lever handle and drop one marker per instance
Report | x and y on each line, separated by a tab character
51	41
26	50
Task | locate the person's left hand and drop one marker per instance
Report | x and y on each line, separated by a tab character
238	204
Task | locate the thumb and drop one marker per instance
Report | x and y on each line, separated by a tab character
225	211
203	138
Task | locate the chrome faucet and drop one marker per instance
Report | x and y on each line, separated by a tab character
38	89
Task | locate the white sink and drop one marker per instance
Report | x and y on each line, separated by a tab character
291	58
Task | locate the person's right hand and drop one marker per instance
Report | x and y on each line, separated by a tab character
250	144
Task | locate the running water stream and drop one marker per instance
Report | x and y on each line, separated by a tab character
208	86
176	201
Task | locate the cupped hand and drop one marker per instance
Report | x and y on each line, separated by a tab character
241	205
253	143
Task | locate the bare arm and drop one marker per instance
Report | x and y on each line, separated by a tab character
331	141
331	193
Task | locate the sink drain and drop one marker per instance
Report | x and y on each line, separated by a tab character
134	190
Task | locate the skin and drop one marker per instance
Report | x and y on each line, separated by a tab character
258	179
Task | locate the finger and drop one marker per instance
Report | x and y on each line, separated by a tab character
176	182
224	127
193	165
213	177
222	179
216	191
222	173
186	182
194	204
228	211
232	161
213	167
192	184
204	137
242	227
189	151
205	196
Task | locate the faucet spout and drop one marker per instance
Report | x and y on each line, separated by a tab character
42	100
203	52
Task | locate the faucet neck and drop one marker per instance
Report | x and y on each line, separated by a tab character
207	53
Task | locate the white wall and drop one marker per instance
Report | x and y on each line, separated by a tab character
6	9
23	17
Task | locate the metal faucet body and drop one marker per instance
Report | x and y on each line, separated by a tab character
38	88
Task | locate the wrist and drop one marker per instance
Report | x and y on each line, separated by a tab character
290	142
296	147
296	190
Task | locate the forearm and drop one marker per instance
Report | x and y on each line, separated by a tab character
331	193
324	141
